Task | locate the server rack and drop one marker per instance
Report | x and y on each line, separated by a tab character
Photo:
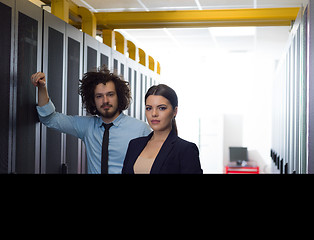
27	60
91	60
105	55
143	87
34	40
53	142
310	87
118	61
74	155
292	144
119	66
132	79
7	11
91	53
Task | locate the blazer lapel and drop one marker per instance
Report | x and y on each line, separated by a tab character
164	152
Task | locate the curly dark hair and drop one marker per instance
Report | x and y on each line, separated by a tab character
102	75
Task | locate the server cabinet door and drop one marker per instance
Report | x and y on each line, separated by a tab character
303	95
136	92
142	90
74	50
53	66
91	45
105	55
26	132
119	66
90	62
132	67
6	69
118	63
310	87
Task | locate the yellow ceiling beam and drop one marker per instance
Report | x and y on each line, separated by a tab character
151	63
88	21
158	67
73	8
60	8
197	18
142	56
108	37
120	42
131	48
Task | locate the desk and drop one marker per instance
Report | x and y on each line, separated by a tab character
250	168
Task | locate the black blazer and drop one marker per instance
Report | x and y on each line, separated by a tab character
175	156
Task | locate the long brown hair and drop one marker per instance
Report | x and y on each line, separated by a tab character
168	93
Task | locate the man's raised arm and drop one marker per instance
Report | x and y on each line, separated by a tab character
39	80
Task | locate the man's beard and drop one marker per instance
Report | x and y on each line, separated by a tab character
106	113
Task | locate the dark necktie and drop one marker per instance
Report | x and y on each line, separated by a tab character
104	152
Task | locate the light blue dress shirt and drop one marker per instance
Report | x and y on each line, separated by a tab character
91	131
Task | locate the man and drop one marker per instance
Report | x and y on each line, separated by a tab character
105	96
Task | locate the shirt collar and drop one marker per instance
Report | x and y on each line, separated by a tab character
115	122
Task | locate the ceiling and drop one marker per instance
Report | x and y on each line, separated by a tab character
233	39
243	39
164	5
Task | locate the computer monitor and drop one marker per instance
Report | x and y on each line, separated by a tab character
238	155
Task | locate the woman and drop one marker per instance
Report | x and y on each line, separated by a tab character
162	151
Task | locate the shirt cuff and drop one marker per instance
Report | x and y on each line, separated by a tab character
46	110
